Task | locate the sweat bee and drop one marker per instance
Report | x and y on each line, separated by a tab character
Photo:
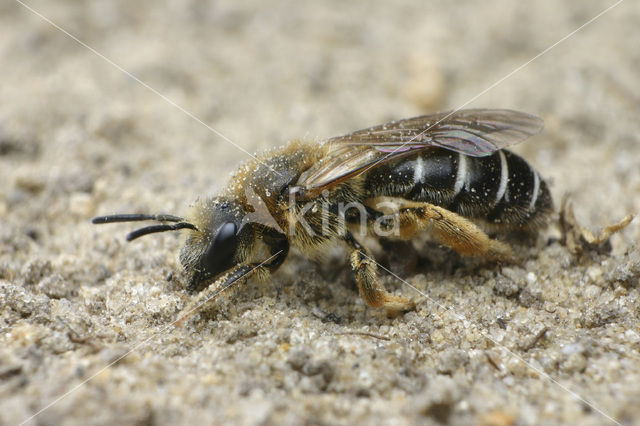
446	173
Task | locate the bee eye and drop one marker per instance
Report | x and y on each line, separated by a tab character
219	255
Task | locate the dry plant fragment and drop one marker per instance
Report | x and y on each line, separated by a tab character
579	239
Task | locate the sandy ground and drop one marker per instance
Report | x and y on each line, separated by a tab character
553	339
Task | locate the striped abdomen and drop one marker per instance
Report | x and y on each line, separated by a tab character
501	189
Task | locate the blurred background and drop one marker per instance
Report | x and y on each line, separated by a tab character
79	136
263	73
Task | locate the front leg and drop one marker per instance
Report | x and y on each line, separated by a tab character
278	247
370	289
237	276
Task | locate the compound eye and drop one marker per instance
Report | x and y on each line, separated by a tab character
219	256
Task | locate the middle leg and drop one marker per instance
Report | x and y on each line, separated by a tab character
371	291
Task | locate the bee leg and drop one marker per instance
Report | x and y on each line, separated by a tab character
452	230
370	289
279	248
233	278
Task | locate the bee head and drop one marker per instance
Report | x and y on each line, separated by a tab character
218	244
214	245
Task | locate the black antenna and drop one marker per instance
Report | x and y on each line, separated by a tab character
159	228
136	218
115	218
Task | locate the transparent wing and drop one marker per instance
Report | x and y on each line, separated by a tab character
474	132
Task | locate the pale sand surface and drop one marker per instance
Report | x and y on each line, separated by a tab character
79	138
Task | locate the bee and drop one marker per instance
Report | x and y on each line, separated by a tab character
445	173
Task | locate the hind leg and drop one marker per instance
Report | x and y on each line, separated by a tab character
450	229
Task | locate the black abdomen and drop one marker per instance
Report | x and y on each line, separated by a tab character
500	188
